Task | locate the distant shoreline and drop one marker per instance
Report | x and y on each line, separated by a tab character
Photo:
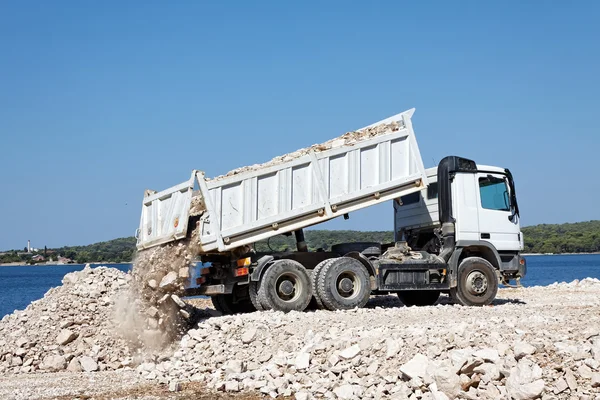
15	264
558	254
130	262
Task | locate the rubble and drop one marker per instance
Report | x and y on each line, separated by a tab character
440	352
539	346
71	321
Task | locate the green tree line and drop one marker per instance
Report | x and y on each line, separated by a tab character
580	237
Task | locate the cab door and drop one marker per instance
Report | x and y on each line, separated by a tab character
497	222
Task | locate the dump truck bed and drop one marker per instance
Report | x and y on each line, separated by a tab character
359	169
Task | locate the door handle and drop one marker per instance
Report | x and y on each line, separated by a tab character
485	235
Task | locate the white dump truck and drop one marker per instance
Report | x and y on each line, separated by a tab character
456	226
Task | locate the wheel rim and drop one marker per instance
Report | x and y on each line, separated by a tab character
476	283
348	285
288	287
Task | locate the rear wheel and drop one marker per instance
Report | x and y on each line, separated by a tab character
285	286
253	288
315	278
477	283
237	302
343	284
419	297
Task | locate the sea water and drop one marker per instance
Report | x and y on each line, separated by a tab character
20	285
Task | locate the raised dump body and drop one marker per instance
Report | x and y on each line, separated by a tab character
374	164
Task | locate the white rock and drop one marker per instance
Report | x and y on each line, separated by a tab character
596	349
66	336
350	352
584	371
525	381
180	303
249	335
490	355
184	273
152	311
88	364
595	379
74	365
302	361
492	392
20	352
234	366
54	363
333	360
570	378
416	367
301	396
232	386
522	349
174	386
439	396
344	392
447	382
490	372
560	386
169	280
392	347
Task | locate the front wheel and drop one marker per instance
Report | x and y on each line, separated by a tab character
477	283
419	297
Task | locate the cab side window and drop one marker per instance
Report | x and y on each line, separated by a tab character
494	194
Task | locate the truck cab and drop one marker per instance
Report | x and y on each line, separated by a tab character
482	205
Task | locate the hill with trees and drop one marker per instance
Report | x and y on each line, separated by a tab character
580	237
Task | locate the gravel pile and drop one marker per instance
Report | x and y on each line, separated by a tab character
71	327
533	343
541	342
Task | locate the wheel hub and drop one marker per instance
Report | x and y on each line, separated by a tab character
476	283
345	285
348	284
286	288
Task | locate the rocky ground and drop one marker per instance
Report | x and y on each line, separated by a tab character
541	342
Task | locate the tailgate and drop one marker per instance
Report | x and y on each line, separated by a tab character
165	215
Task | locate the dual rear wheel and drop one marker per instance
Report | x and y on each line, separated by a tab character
335	284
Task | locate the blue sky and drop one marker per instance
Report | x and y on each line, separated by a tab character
100	100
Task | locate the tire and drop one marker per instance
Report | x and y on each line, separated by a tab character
419	297
314	280
285	286
367	248
343	284
227	304
253	288
477	283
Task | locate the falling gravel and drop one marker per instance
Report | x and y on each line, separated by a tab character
151	313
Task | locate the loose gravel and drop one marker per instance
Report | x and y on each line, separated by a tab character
540	342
